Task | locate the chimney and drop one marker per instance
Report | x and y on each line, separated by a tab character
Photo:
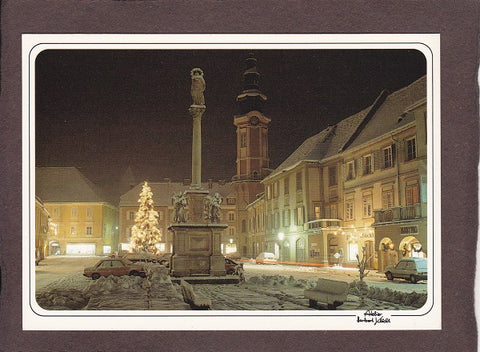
210	183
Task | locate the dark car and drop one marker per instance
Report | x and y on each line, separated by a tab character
232	267
234	255
411	269
114	266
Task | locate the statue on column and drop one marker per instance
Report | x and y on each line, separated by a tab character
212	207
179	204
198	86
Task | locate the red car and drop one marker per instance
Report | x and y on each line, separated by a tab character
232	267
114	266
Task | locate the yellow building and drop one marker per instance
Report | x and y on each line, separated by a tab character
42	219
359	183
303	198
82	221
256	227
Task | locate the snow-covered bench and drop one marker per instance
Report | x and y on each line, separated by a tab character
330	292
196	301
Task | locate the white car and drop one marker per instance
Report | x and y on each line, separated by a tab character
411	269
266	258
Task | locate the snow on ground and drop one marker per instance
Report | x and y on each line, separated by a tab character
275	289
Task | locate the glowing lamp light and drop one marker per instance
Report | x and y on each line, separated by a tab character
231	240
281	236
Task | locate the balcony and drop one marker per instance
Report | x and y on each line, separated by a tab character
321	223
397	214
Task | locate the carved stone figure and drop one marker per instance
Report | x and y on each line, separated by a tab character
198	86
212	207
179	204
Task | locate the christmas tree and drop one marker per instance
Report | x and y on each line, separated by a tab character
145	233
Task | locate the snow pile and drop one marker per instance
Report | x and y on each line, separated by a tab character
61	298
114	284
155	292
161	285
278	280
412	299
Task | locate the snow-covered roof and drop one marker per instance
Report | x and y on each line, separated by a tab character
65	184
163	192
324	144
376	120
387	117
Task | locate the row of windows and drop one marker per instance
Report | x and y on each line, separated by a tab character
73	212
411	198
386	159
74	231
273	189
383	159
274	220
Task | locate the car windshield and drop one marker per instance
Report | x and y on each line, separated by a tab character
422	265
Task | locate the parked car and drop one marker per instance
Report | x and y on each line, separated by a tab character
114	266
234	255
232	267
140	257
164	259
411	269
266	258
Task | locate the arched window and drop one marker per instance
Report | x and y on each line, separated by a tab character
244	226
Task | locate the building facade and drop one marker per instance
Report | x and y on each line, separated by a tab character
82	221
42	220
358	184
256	227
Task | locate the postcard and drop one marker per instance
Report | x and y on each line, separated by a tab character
231	182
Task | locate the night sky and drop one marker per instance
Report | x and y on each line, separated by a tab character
105	110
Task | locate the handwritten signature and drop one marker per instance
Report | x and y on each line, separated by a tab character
373	317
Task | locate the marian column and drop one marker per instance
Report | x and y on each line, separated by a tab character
196	227
196	110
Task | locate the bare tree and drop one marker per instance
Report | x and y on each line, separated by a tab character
361	264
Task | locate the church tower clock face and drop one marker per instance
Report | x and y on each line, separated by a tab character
254	120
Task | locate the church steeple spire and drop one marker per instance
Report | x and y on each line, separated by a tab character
251	98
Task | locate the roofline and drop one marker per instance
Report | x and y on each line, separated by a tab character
256	200
371	141
290	168
373	109
417	104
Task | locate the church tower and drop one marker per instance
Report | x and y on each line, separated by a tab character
252	127
252	150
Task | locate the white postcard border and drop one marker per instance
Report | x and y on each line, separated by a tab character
36	318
